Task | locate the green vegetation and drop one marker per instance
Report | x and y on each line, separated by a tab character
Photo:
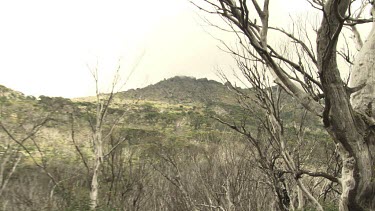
166	142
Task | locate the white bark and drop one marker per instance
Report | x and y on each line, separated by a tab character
301	199
94	186
364	73
356	38
98	150
347	180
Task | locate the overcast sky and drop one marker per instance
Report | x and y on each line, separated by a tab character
46	45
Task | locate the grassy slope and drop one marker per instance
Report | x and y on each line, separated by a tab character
179	108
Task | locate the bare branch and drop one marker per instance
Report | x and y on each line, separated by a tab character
318	174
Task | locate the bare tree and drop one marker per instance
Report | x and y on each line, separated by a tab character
312	76
169	168
98	123
16	147
276	156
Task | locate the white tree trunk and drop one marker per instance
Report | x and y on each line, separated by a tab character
98	151
301	199
94	186
364	73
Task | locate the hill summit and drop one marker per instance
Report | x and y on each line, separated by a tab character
183	89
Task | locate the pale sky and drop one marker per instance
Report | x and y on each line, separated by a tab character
46	45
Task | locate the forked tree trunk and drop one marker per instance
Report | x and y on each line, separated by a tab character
98	151
350	130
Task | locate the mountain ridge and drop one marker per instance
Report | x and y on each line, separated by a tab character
178	89
183	89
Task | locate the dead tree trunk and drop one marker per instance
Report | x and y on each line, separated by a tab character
346	125
363	77
98	151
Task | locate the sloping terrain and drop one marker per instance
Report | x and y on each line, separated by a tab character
180	107
181	89
166	119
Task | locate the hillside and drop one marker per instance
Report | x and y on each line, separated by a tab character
181	106
181	89
156	126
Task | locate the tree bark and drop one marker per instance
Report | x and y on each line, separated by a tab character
344	124
98	149
363	75
94	187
